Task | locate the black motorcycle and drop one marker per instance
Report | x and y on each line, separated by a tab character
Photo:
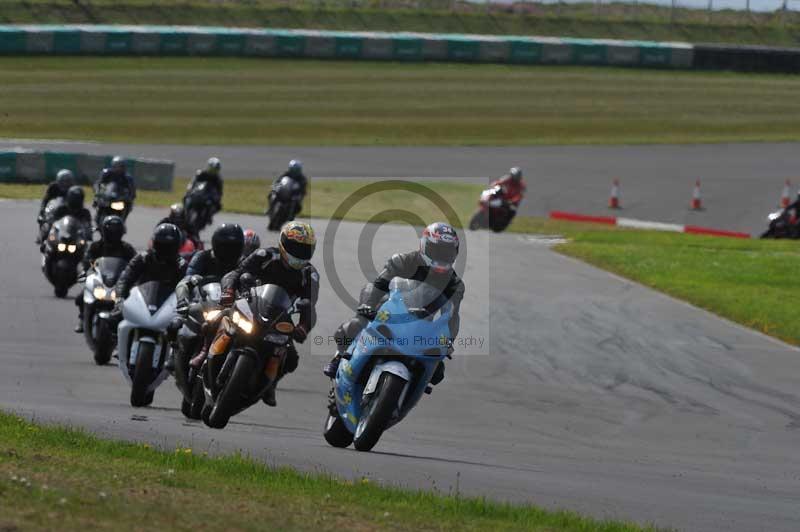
198	206
248	353
98	302
63	250
203	313
284	198
112	199
493	211
782	224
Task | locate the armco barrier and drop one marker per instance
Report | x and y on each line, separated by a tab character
28	166
213	41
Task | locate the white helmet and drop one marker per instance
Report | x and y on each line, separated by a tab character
214	165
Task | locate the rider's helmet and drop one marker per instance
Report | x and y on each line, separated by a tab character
74	198
227	244
213	166
297	244
439	247
167	239
295	168
112	228
251	242
177	214
515	173
118	164
64	180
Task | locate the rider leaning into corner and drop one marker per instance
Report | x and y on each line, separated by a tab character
513	187
294	171
116	173
211	175
289	267
431	264
57	189
112	229
227	245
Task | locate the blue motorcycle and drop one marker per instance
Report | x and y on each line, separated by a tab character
389	366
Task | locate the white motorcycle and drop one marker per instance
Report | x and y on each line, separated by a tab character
142	345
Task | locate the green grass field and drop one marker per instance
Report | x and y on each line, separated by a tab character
241	101
59	479
611	20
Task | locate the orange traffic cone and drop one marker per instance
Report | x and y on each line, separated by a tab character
697	201
613	200
785	199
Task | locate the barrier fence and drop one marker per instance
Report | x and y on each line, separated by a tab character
213	41
28	166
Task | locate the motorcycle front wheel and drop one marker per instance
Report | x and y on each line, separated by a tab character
229	397
142	376
103	342
379	412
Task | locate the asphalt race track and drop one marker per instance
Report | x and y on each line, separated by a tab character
598	395
741	183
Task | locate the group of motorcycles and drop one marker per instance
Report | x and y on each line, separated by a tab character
386	372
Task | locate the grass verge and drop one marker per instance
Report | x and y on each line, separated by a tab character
55	478
612	20
752	282
286	102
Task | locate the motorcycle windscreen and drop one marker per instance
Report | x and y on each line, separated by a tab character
155	294
285	188
67	229
110	269
212	291
425	300
271	300
197	196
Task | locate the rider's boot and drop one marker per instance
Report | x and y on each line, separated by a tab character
79	327
269	396
438	374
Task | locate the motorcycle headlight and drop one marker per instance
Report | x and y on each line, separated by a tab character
62	246
118	205
242	322
99	293
279	339
211	315
72	248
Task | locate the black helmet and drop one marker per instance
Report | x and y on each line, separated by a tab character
251	242
439	247
112	228
75	198
227	243
177	214
167	239
65	179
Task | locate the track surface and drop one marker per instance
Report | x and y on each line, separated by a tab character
741	183
599	395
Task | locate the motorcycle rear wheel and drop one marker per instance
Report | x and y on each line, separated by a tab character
477	221
379	412
336	433
229	397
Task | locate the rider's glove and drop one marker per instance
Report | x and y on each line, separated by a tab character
300	334
366	311
228	296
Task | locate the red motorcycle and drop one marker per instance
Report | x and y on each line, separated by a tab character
494	212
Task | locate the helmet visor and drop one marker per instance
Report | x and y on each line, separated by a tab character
441	252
